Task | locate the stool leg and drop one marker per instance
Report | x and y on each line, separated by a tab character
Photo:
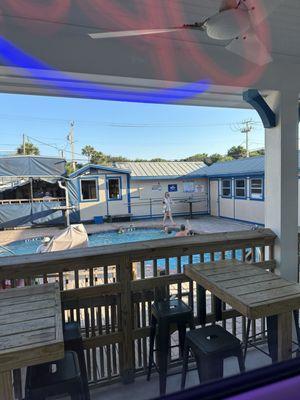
241	360
210	368
151	349
191	321
184	365
247	337
162	355
296	320
181	335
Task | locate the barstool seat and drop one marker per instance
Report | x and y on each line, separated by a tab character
210	345
164	314
171	310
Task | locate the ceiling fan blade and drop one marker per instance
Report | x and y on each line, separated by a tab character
138	32
250	47
259	13
228	5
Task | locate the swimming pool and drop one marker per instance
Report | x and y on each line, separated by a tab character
29	246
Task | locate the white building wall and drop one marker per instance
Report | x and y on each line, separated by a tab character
103	207
147	200
247	209
250	210
226	207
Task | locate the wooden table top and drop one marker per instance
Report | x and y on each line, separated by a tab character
31	326
247	288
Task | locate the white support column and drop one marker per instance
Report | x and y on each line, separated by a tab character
281	177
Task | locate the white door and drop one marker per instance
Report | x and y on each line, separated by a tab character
214	198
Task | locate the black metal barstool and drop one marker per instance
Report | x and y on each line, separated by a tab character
164	314
210	345
73	342
55	378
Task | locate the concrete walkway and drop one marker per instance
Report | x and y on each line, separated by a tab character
203	224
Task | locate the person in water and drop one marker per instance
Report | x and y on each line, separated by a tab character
184	231
167	210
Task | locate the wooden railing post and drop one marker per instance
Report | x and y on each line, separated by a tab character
127	365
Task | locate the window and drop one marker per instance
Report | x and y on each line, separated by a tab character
89	189
256	188
226	188
240	188
114	189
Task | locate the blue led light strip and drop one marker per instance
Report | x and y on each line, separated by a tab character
12	56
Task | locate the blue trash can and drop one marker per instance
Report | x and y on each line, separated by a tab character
98	220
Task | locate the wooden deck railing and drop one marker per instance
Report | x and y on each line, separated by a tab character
109	289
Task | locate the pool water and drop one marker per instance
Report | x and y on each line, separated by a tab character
137	235
29	246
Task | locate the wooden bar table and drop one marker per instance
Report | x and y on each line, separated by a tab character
252	291
30	330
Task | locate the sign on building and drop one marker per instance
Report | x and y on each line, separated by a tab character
172	188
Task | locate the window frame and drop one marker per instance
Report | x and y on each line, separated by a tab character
229	196
239	188
119	178
96	187
261	198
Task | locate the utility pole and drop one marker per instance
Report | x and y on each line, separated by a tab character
245	127
71	141
24	144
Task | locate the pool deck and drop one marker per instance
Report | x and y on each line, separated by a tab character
203	224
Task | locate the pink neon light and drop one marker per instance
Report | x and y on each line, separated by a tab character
191	60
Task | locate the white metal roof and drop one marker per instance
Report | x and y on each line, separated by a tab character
162	170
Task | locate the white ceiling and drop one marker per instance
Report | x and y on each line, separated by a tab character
136	63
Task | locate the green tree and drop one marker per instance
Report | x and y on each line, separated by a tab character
94	156
256	153
200	157
99	158
115	159
69	167
237	152
213	158
158	160
30	149
88	151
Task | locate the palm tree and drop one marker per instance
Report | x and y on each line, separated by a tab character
30	149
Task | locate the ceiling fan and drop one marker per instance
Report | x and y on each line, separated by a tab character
236	21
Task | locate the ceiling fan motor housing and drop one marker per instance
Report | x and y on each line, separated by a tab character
228	24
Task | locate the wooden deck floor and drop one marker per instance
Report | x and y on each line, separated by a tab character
143	390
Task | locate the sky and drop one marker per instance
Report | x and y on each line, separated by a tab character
129	129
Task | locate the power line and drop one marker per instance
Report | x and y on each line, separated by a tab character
121	124
53	146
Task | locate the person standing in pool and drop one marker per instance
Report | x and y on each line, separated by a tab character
167	210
